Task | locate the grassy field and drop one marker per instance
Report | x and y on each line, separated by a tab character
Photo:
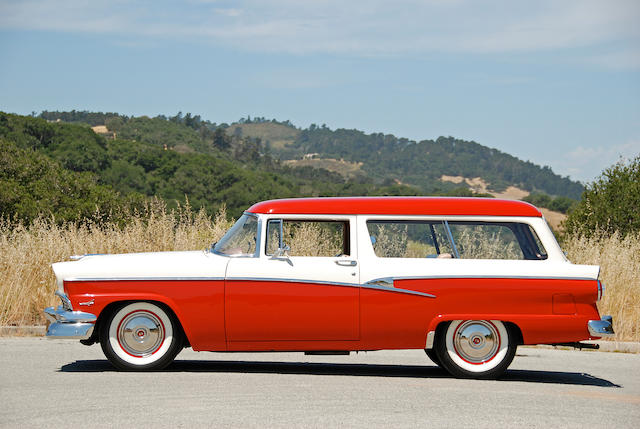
27	282
619	260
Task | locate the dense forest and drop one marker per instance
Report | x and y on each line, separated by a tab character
422	164
55	164
68	171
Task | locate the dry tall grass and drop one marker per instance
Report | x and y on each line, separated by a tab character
27	283
619	260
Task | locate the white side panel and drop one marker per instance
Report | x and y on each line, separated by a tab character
194	264
308	269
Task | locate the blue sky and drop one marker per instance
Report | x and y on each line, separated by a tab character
553	82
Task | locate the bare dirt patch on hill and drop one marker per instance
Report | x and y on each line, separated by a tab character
476	184
277	135
511	193
344	168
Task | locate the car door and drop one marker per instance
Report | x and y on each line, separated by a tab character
308	293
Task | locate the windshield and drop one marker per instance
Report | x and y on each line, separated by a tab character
241	239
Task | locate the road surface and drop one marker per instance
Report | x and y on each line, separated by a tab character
58	383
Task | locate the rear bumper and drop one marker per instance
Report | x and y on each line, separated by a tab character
68	324
602	327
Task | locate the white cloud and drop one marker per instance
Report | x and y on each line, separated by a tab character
586	163
359	27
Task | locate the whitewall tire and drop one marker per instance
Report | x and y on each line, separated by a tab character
140	336
475	348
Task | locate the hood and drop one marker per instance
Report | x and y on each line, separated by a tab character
192	264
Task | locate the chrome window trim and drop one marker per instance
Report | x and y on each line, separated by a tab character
279	221
256	253
453	244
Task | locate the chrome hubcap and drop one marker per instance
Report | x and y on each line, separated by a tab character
476	341
141	333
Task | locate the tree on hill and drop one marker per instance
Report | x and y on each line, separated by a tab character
611	203
33	185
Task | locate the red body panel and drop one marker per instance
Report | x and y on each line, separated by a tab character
289	311
266	316
198	304
436	206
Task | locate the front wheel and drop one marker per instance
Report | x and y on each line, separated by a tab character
475	348
140	336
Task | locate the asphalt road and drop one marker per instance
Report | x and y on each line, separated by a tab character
57	383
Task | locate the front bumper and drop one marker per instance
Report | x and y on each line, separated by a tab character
68	324
602	327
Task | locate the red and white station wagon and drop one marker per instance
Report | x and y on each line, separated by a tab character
465	279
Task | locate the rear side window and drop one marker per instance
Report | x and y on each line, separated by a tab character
409	239
455	239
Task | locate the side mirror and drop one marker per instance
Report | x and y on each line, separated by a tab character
281	253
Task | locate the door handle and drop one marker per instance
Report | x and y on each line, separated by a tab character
344	263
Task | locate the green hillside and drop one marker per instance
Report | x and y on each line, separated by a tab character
387	158
68	171
56	165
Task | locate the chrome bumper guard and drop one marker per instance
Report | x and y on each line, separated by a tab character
602	327
68	324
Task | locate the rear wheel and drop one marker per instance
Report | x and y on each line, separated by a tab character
141	336
475	348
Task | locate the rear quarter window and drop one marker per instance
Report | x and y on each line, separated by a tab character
455	239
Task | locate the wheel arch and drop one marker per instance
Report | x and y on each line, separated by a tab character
440	322
116	304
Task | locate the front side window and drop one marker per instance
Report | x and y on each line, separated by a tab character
454	239
308	237
241	239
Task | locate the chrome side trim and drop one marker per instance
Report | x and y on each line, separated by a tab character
276	279
430	339
398	290
388	284
456	276
367	285
119	279
602	327
600	290
471	276
78	257
385	282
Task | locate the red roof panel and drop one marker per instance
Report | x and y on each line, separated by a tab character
397	206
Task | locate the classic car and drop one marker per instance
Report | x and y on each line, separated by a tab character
465	279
